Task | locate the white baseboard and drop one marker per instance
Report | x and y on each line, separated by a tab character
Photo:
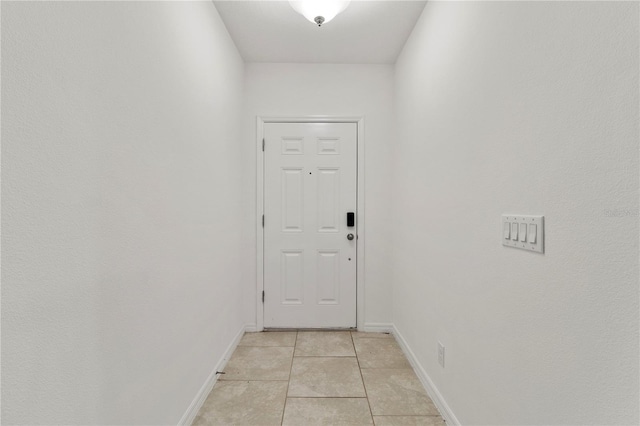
431	389
191	413
377	327
250	328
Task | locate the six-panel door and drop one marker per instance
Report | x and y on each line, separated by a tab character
309	263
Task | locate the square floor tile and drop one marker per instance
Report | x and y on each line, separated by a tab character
380	353
269	338
259	363
324	343
396	392
327	411
325	377
243	403
408	421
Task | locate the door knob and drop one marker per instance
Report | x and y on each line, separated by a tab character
349	237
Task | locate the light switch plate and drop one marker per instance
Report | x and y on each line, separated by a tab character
511	219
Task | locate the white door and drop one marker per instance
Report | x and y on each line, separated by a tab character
309	259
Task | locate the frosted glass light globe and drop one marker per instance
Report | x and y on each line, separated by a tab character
319	11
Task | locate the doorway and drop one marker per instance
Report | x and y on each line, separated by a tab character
310	218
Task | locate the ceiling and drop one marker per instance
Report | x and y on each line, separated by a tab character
367	32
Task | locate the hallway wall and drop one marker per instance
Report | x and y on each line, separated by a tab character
291	90
121	197
525	108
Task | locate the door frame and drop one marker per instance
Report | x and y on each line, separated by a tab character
360	277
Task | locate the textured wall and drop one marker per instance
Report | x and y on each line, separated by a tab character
121	194
530	108
337	89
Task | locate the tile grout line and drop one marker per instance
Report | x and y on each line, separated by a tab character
321	356
338	397
408	415
362	378
286	395
252	380
265	346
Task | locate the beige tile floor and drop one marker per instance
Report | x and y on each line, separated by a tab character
306	378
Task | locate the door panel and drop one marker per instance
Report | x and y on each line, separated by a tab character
328	200
292	200
310	185
328	277
292	277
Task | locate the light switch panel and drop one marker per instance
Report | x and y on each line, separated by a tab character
523	232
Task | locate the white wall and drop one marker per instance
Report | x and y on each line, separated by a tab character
530	108
330	89
121	198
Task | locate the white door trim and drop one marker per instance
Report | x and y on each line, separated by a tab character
360	278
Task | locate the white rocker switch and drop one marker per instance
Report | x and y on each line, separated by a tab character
506	231
533	232
523	232
514	231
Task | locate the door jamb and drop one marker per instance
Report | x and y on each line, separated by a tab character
360	277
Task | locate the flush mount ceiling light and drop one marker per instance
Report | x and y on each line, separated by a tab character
319	11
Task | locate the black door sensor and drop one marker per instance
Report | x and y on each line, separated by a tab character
351	219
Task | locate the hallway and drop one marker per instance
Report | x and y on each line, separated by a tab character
318	378
142	194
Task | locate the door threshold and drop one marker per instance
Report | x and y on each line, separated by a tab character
276	329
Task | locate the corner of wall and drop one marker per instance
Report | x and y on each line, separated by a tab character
438	399
200	398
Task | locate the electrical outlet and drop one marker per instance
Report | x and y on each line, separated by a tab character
441	354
